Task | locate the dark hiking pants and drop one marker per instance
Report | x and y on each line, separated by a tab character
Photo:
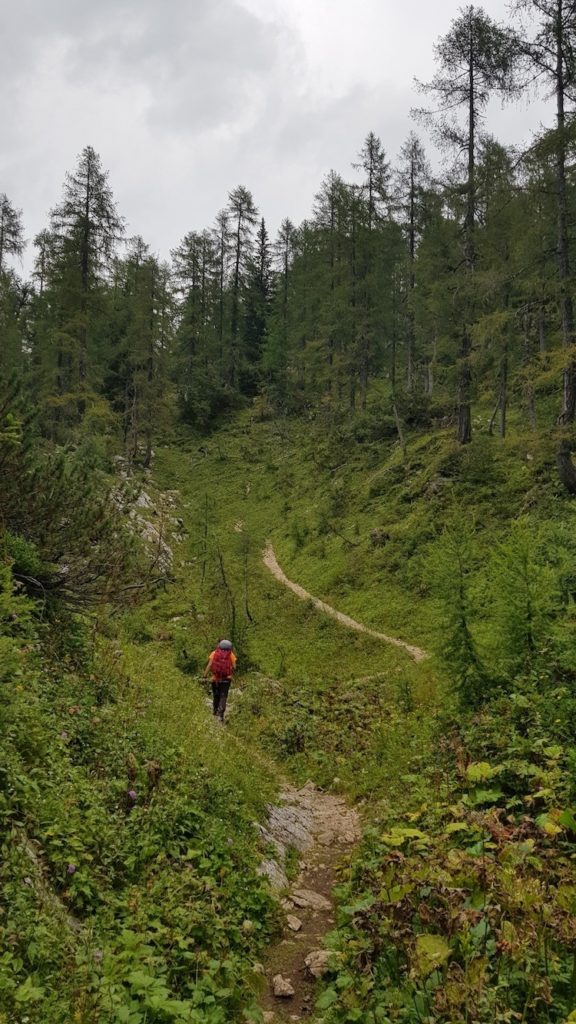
220	688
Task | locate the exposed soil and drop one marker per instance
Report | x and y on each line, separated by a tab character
324	829
271	563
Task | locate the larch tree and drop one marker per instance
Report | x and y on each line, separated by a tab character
221	235
195	283
276	353
242	219
138	371
11	231
376	178
476	60
552	56
257	307
412	184
86	228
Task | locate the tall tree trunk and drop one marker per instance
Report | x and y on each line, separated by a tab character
503	393
565	466
410	342
464	433
566	305
528	387
465	371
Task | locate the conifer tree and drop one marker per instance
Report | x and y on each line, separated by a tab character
276	355
552	56
242	217
138	369
257	304
476	59
11	231
14	293
198	367
412	184
377	174
221	235
85	228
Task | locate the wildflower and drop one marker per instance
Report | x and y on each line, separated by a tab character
98	955
132	794
70	869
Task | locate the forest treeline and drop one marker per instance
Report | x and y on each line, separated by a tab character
448	286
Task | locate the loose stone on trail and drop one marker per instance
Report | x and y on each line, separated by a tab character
318	826
294	923
282	987
307	898
318	962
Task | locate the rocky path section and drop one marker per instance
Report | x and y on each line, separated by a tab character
271	563
321	828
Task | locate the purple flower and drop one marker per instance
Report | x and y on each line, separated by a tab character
132	794
70	869
63	735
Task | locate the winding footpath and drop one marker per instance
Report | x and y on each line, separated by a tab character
271	563
322	829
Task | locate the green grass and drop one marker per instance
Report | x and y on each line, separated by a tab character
353	523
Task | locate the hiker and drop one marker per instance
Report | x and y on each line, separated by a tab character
221	665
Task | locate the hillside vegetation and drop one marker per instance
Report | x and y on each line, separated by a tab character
462	898
386	395
129	878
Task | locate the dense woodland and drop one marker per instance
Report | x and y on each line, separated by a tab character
388	390
448	285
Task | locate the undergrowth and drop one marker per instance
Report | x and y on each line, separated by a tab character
129	888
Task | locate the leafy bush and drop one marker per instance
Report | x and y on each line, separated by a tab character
467	908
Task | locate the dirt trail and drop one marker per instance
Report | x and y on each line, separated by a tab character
271	563
322	828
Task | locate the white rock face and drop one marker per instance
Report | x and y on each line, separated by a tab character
292	826
282	987
301	818
317	962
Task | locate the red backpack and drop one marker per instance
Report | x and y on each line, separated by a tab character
221	666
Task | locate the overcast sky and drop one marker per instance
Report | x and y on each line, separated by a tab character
184	99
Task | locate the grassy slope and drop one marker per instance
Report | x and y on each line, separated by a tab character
300	705
298	691
351	521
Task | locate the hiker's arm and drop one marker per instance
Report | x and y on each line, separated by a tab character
208	664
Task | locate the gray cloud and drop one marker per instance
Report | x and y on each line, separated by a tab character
184	99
